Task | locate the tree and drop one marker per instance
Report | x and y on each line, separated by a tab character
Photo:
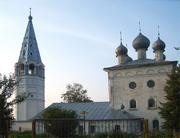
75	93
170	110
7	86
60	122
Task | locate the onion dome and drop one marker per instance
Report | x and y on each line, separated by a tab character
128	59
158	45
121	50
141	42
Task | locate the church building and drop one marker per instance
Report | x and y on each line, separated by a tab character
138	85
136	88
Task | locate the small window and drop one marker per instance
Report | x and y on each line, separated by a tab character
150	83
155	124
132	85
151	103
132	103
31	53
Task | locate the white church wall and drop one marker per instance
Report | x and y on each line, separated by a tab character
33	86
120	93
21	126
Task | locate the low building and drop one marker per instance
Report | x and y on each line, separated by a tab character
96	117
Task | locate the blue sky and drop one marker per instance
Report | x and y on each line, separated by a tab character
78	38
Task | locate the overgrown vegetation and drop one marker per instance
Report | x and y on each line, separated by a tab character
7	87
170	110
60	122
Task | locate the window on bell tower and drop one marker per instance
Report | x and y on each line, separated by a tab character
21	69
31	69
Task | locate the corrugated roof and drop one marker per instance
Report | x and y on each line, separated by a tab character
95	111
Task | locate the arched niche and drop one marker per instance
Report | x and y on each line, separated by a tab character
31	69
139	72
129	74
150	71
161	70
118	74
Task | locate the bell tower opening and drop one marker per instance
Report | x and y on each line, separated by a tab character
21	69
31	69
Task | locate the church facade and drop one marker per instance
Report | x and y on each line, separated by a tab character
137	86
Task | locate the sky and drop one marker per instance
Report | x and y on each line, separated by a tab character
78	38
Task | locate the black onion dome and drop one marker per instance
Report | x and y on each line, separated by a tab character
141	42
121	50
159	45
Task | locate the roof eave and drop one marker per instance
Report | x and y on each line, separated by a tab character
174	63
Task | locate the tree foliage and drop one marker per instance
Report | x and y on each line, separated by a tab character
75	93
60	122
170	110
7	87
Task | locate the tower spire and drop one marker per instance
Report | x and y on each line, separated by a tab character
30	11
120	37
158	32
139	27
29	51
30	17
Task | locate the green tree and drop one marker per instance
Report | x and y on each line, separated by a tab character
170	110
75	93
7	86
60	122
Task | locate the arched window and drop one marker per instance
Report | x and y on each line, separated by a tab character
21	69
31	69
151	103
155	124
132	103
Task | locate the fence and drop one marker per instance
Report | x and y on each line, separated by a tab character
71	128
78	128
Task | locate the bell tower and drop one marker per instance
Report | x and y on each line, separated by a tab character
29	71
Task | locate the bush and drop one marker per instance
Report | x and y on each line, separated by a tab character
60	122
